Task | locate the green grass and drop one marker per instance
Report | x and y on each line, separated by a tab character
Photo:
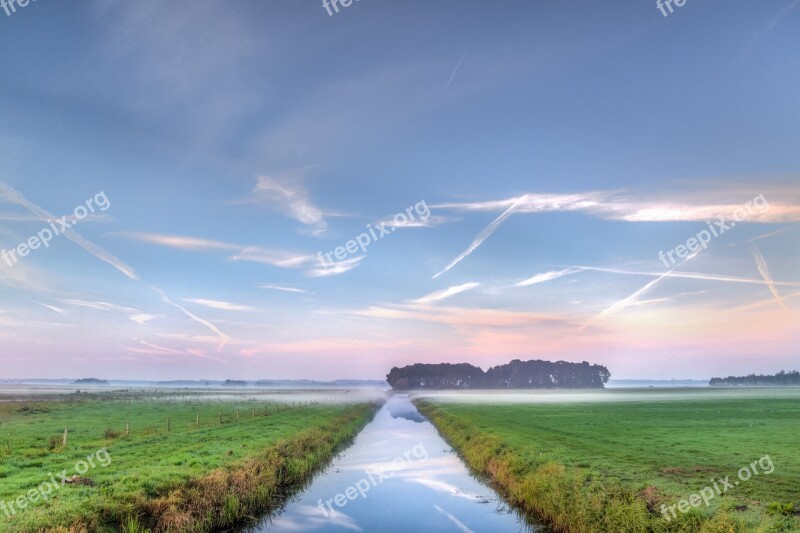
609	466
152	472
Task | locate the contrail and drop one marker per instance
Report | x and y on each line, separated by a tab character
224	339
13	196
763	269
458	65
483	235
690	275
633	298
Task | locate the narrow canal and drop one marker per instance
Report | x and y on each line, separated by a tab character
399	475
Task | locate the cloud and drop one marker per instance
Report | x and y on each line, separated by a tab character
253	254
217	304
547	276
12	196
100	306
278	258
335	269
763	269
141	318
446	293
430	222
700	207
223	338
463	317
284	289
132	314
288	195
691	275
53	308
181	242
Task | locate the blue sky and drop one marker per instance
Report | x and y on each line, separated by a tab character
557	148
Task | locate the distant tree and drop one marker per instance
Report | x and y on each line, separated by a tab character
517	374
234	383
538	374
435	376
781	379
90	381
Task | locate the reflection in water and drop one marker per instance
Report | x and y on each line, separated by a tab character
405	410
399	475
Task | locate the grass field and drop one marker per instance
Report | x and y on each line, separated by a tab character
609	464
170	472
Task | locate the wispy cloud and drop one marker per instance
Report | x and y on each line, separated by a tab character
464	317
252	254
334	269
547	276
288	194
446	293
763	269
430	222
217	304
784	206
690	275
12	196
142	318
133	314
100	306
284	289
278	258
181	242
53	308
223	338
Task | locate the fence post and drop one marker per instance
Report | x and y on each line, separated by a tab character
64	441
127	428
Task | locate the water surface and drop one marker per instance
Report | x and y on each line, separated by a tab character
399	475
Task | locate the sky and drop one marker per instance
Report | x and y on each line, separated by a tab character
519	180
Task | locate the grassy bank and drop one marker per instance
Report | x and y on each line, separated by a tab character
610	466
183	466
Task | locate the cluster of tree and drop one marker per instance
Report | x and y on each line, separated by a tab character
515	375
781	379
90	381
234	383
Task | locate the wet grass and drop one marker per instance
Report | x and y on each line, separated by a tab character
169	473
610	466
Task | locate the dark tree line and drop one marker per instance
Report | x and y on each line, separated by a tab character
781	379
514	375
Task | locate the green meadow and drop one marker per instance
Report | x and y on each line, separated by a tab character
610	461
186	464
